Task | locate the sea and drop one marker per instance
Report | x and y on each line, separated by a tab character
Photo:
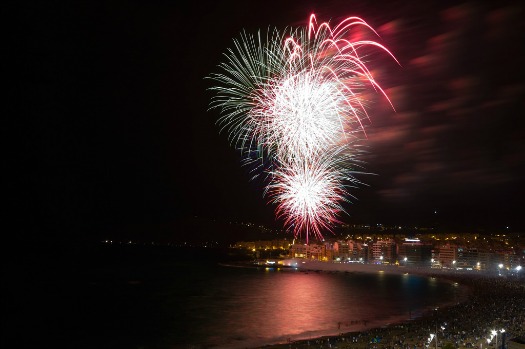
136	297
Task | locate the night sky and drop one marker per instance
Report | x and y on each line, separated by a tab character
113	132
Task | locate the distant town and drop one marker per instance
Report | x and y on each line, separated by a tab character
503	253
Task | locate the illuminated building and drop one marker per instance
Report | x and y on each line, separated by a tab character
341	250
446	255
415	252
384	251
467	257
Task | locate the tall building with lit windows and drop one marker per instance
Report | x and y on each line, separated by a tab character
317	252
413	252
446	255
350	251
341	250
311	251
299	251
384	251
467	257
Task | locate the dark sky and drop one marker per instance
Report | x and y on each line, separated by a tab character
112	128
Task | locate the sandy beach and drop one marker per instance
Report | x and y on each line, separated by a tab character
492	303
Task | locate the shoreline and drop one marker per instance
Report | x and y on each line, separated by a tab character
456	316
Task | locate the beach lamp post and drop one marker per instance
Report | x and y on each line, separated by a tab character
432	335
494	333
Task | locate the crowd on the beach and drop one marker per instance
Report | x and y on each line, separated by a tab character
494	304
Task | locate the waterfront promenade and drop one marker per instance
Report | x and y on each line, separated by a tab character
494	303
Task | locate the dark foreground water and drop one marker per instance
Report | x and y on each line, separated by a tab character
134	298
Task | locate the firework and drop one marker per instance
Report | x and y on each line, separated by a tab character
309	192
292	101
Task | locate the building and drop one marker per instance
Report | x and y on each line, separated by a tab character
319	252
316	252
384	251
467	258
341	250
299	251
361	252
414	253
447	256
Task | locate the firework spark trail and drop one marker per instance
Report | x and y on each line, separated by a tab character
293	103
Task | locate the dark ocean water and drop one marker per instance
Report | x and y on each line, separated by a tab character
134	298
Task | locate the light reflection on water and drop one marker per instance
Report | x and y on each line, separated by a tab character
237	308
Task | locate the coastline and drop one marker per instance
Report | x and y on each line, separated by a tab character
413	333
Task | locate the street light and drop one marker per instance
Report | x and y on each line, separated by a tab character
435	335
494	333
432	335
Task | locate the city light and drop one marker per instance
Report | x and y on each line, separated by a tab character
370	249
494	333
